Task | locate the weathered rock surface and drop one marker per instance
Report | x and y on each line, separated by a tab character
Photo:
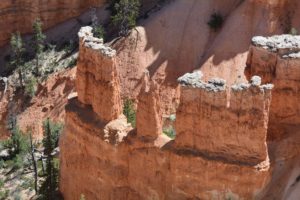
99	168
142	164
149	112
20	15
276	59
218	121
97	76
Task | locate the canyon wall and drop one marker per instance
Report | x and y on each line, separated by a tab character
20	15
176	40
121	163
276	60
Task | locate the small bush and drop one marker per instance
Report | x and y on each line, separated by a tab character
293	31
170	132
31	86
72	62
4	194
1	183
99	31
82	197
129	112
216	21
28	183
17	144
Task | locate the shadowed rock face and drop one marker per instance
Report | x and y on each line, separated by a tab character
276	60
20	15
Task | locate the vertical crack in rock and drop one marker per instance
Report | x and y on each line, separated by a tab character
277	59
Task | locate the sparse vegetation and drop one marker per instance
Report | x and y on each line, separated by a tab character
98	29
17	61
125	14
129	112
72	62
39	43
216	21
82	197
31	86
49	187
170	132
294	31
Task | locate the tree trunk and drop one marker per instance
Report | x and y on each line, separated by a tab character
20	77
37	66
34	165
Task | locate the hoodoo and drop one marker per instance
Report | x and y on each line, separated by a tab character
150	99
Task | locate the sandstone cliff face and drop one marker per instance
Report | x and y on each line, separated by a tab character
97	77
143	163
224	122
177	40
276	59
19	15
136	169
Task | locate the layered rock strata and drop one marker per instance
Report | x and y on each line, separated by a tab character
132	168
20	15
97	76
219	121
277	59
220	151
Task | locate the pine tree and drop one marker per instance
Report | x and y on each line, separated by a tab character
17	61
39	43
127	12
50	142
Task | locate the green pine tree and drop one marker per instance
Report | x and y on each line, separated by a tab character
51	136
39	43
17	61
126	14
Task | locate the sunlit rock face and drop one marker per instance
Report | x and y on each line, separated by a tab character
19	15
277	59
111	161
222	121
97	80
101	166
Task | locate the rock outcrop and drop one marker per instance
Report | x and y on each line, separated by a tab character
149	112
145	164
217	121
135	169
97	77
20	15
277	59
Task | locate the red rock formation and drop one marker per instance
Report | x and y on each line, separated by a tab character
149	112
134	169
19	15
221	122
276	59
126	166
97	77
